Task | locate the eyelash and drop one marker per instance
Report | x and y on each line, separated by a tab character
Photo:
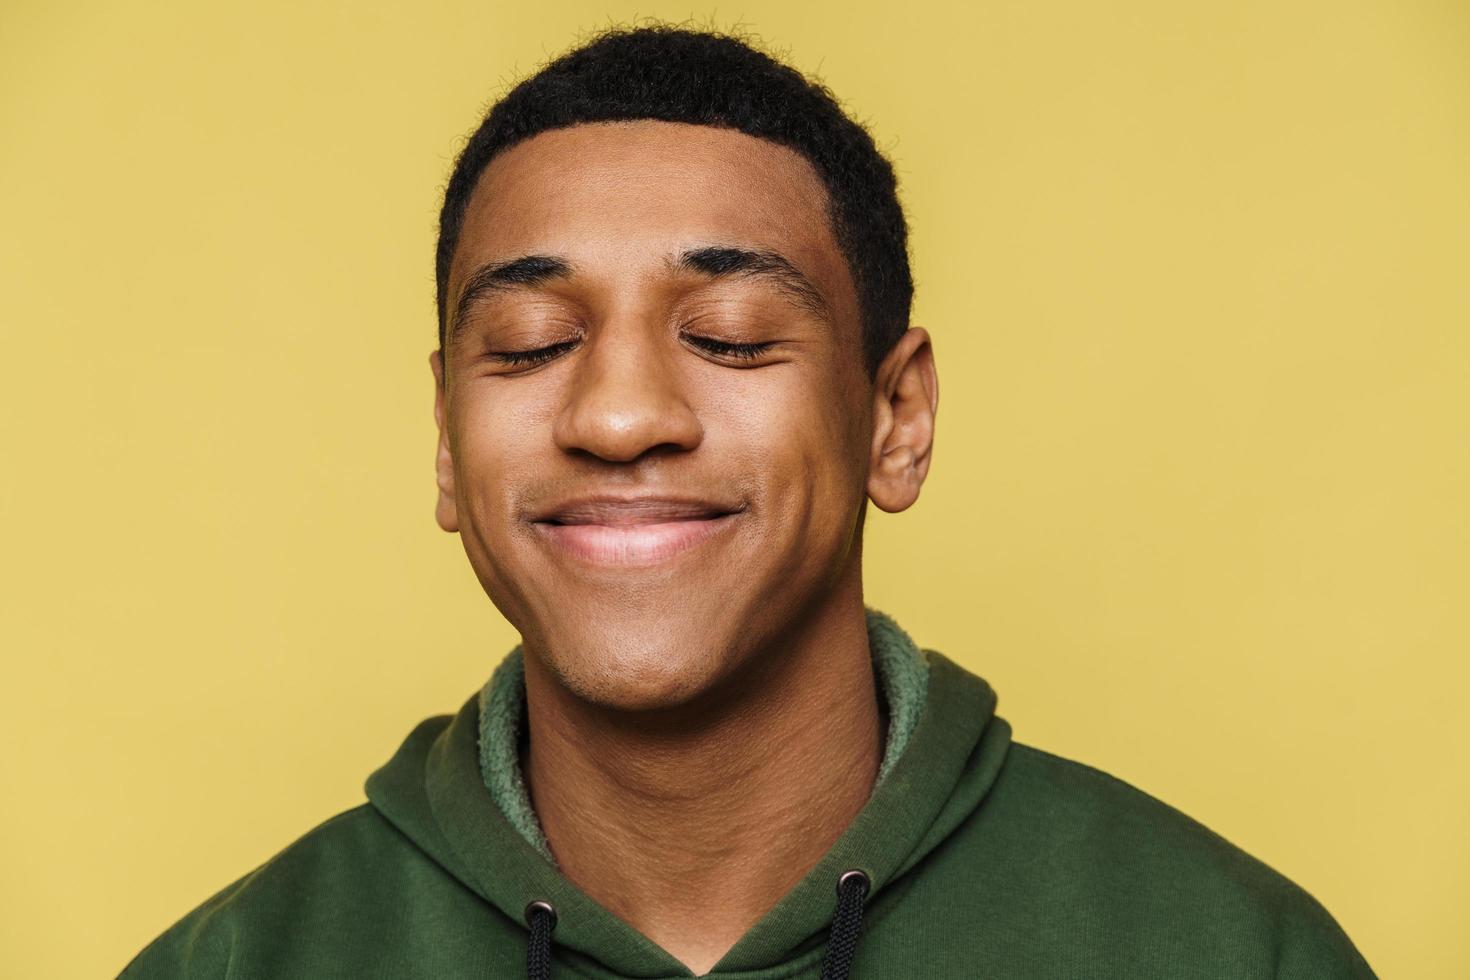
744	352
533	356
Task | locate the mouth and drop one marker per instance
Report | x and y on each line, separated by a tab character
633	532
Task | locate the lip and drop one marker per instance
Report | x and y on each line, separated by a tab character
624	532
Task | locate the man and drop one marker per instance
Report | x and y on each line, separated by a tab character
674	366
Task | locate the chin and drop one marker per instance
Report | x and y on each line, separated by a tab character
636	672
639	649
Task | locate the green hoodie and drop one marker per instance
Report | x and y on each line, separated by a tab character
985	857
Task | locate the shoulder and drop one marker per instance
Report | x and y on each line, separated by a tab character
347	855
1076	804
1141	860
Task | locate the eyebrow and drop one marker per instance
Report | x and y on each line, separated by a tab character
721	261
712	261
525	271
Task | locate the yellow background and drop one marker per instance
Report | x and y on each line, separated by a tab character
1197	275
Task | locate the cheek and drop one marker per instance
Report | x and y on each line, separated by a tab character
807	443
495	443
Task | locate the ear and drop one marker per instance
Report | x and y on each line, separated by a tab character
905	401
446	511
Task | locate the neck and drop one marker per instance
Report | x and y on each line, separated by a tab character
690	825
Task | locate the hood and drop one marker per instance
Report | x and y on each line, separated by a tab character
944	751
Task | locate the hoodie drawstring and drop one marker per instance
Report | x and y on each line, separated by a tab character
541	917
847	924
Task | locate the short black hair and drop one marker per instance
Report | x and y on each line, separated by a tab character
711	79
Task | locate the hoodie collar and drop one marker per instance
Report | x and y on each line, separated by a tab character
903	677
434	791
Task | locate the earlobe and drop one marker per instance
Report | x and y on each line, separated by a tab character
446	509
906	400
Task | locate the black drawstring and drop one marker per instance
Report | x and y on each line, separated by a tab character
847	924
541	917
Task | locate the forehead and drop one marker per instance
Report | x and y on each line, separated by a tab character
627	194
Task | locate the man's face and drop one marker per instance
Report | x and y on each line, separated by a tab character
655	418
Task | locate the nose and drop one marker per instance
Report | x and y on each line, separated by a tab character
627	397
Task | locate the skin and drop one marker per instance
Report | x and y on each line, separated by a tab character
703	723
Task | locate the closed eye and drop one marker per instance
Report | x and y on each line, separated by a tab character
720	348
537	356
725	348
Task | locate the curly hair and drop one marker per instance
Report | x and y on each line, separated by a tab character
711	79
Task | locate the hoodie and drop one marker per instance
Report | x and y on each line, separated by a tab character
975	856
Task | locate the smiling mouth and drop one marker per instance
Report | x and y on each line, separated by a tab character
630	539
